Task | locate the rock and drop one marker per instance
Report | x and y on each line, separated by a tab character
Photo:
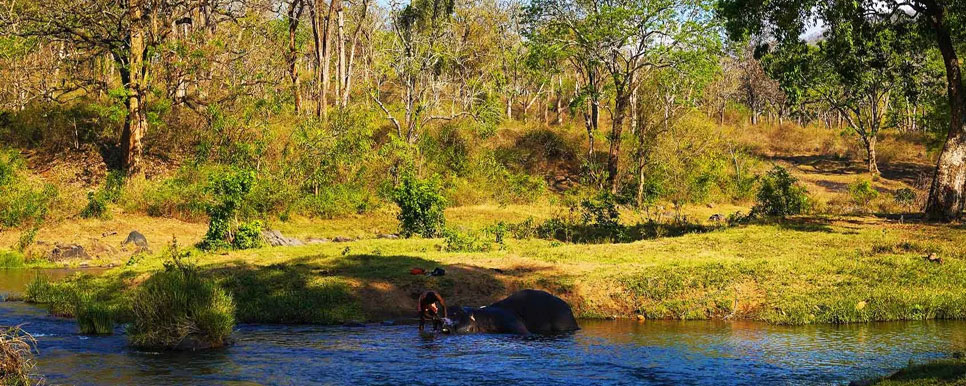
97	248
317	240
933	258
343	239
353	324
276	239
388	322
67	251
137	239
111	233
717	217
387	236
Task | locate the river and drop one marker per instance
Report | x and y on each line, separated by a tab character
602	352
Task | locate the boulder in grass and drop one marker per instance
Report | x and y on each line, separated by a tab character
67	251
276	239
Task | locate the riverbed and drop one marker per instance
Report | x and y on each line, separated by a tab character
602	352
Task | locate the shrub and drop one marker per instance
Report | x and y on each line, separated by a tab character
11	259
27	238
780	195
10	165
229	190
19	202
96	206
16	356
905	197
862	192
179	303
248	236
600	211
421	207
465	241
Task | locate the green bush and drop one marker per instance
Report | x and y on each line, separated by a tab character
905	197
27	238
96	206
862	192
179	303
465	241
248	235
11	259
19	202
600	211
184	195
421	206
10	165
780	195
229	190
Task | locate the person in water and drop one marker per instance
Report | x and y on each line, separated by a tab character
432	307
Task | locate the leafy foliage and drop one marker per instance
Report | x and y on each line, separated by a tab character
421	207
780	195
862	192
229	190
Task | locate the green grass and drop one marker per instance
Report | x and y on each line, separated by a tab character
11	259
938	372
805	270
180	304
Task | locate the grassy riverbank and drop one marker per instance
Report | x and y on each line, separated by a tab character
950	371
805	270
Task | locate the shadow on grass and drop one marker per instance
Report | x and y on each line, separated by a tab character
619	233
354	288
807	224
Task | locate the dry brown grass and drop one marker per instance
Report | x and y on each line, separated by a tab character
16	356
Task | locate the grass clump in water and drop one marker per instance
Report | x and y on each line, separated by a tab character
181	308
98	303
16	356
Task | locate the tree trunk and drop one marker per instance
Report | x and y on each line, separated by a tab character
136	122
617	129
559	106
294	13
946	195
870	156
340	46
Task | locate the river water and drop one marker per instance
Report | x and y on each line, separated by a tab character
602	352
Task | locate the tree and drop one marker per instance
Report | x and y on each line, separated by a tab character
854	69
624	37
294	14
128	31
938	20
416	53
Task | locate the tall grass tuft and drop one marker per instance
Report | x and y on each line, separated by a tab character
16	356
178	305
11	259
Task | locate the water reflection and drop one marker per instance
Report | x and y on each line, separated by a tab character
13	281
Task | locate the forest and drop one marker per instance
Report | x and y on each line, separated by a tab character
291	161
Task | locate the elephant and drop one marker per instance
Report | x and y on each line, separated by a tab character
524	312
